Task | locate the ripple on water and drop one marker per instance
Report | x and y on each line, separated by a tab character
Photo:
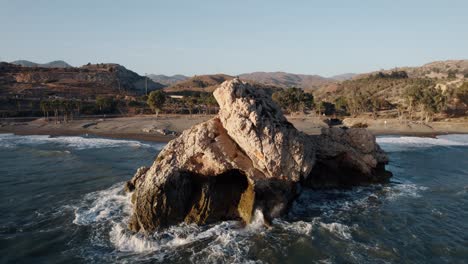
108	212
75	142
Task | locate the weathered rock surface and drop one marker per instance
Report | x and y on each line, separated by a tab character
247	157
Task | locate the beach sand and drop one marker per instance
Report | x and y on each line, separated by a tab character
145	127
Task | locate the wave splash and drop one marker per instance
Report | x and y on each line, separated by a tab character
315	213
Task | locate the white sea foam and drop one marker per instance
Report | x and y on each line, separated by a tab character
105	205
402	190
392	144
127	242
223	242
298	227
108	211
5	142
76	142
333	202
258	221
338	229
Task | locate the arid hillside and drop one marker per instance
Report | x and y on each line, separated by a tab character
208	83
434	89
87	81
436	70
285	80
200	83
168	80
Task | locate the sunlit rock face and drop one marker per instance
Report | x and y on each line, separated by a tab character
247	157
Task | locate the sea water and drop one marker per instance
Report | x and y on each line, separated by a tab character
62	201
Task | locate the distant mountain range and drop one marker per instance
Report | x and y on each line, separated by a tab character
278	79
284	79
272	79
167	80
113	76
343	77
52	64
199	83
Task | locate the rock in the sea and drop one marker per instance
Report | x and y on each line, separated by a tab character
249	156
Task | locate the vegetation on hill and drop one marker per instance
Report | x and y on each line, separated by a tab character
397	93
293	100
286	80
416	94
200	83
167	80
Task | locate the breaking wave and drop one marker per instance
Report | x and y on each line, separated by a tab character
226	241
76	142
315	213
393	144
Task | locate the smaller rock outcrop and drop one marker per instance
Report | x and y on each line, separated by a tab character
345	158
249	156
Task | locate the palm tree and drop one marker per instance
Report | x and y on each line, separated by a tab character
55	105
45	107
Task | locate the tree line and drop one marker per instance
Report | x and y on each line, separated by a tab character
420	96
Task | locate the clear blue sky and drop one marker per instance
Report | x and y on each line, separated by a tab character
233	37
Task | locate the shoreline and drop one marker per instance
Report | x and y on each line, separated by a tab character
143	127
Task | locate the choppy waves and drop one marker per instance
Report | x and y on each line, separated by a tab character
393	144
108	211
314	214
333	219
75	142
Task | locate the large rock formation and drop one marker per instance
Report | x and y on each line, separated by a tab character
249	156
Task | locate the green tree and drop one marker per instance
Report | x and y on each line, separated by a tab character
189	103
427	97
358	103
293	99
55	106
462	94
156	100
341	104
45	108
452	74
326	108
211	102
105	104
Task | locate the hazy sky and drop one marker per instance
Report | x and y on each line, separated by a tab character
199	37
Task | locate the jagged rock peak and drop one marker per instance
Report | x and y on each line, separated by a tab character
260	129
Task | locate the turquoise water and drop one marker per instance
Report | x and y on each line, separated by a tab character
62	201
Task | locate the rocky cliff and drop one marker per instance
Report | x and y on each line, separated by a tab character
249	156
88	80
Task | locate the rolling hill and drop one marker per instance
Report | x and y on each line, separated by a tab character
208	83
436	70
52	64
390	86
199	83
343	77
72	82
167	80
285	80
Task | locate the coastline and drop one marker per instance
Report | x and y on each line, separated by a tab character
144	127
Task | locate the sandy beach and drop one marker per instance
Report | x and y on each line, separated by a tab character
148	127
